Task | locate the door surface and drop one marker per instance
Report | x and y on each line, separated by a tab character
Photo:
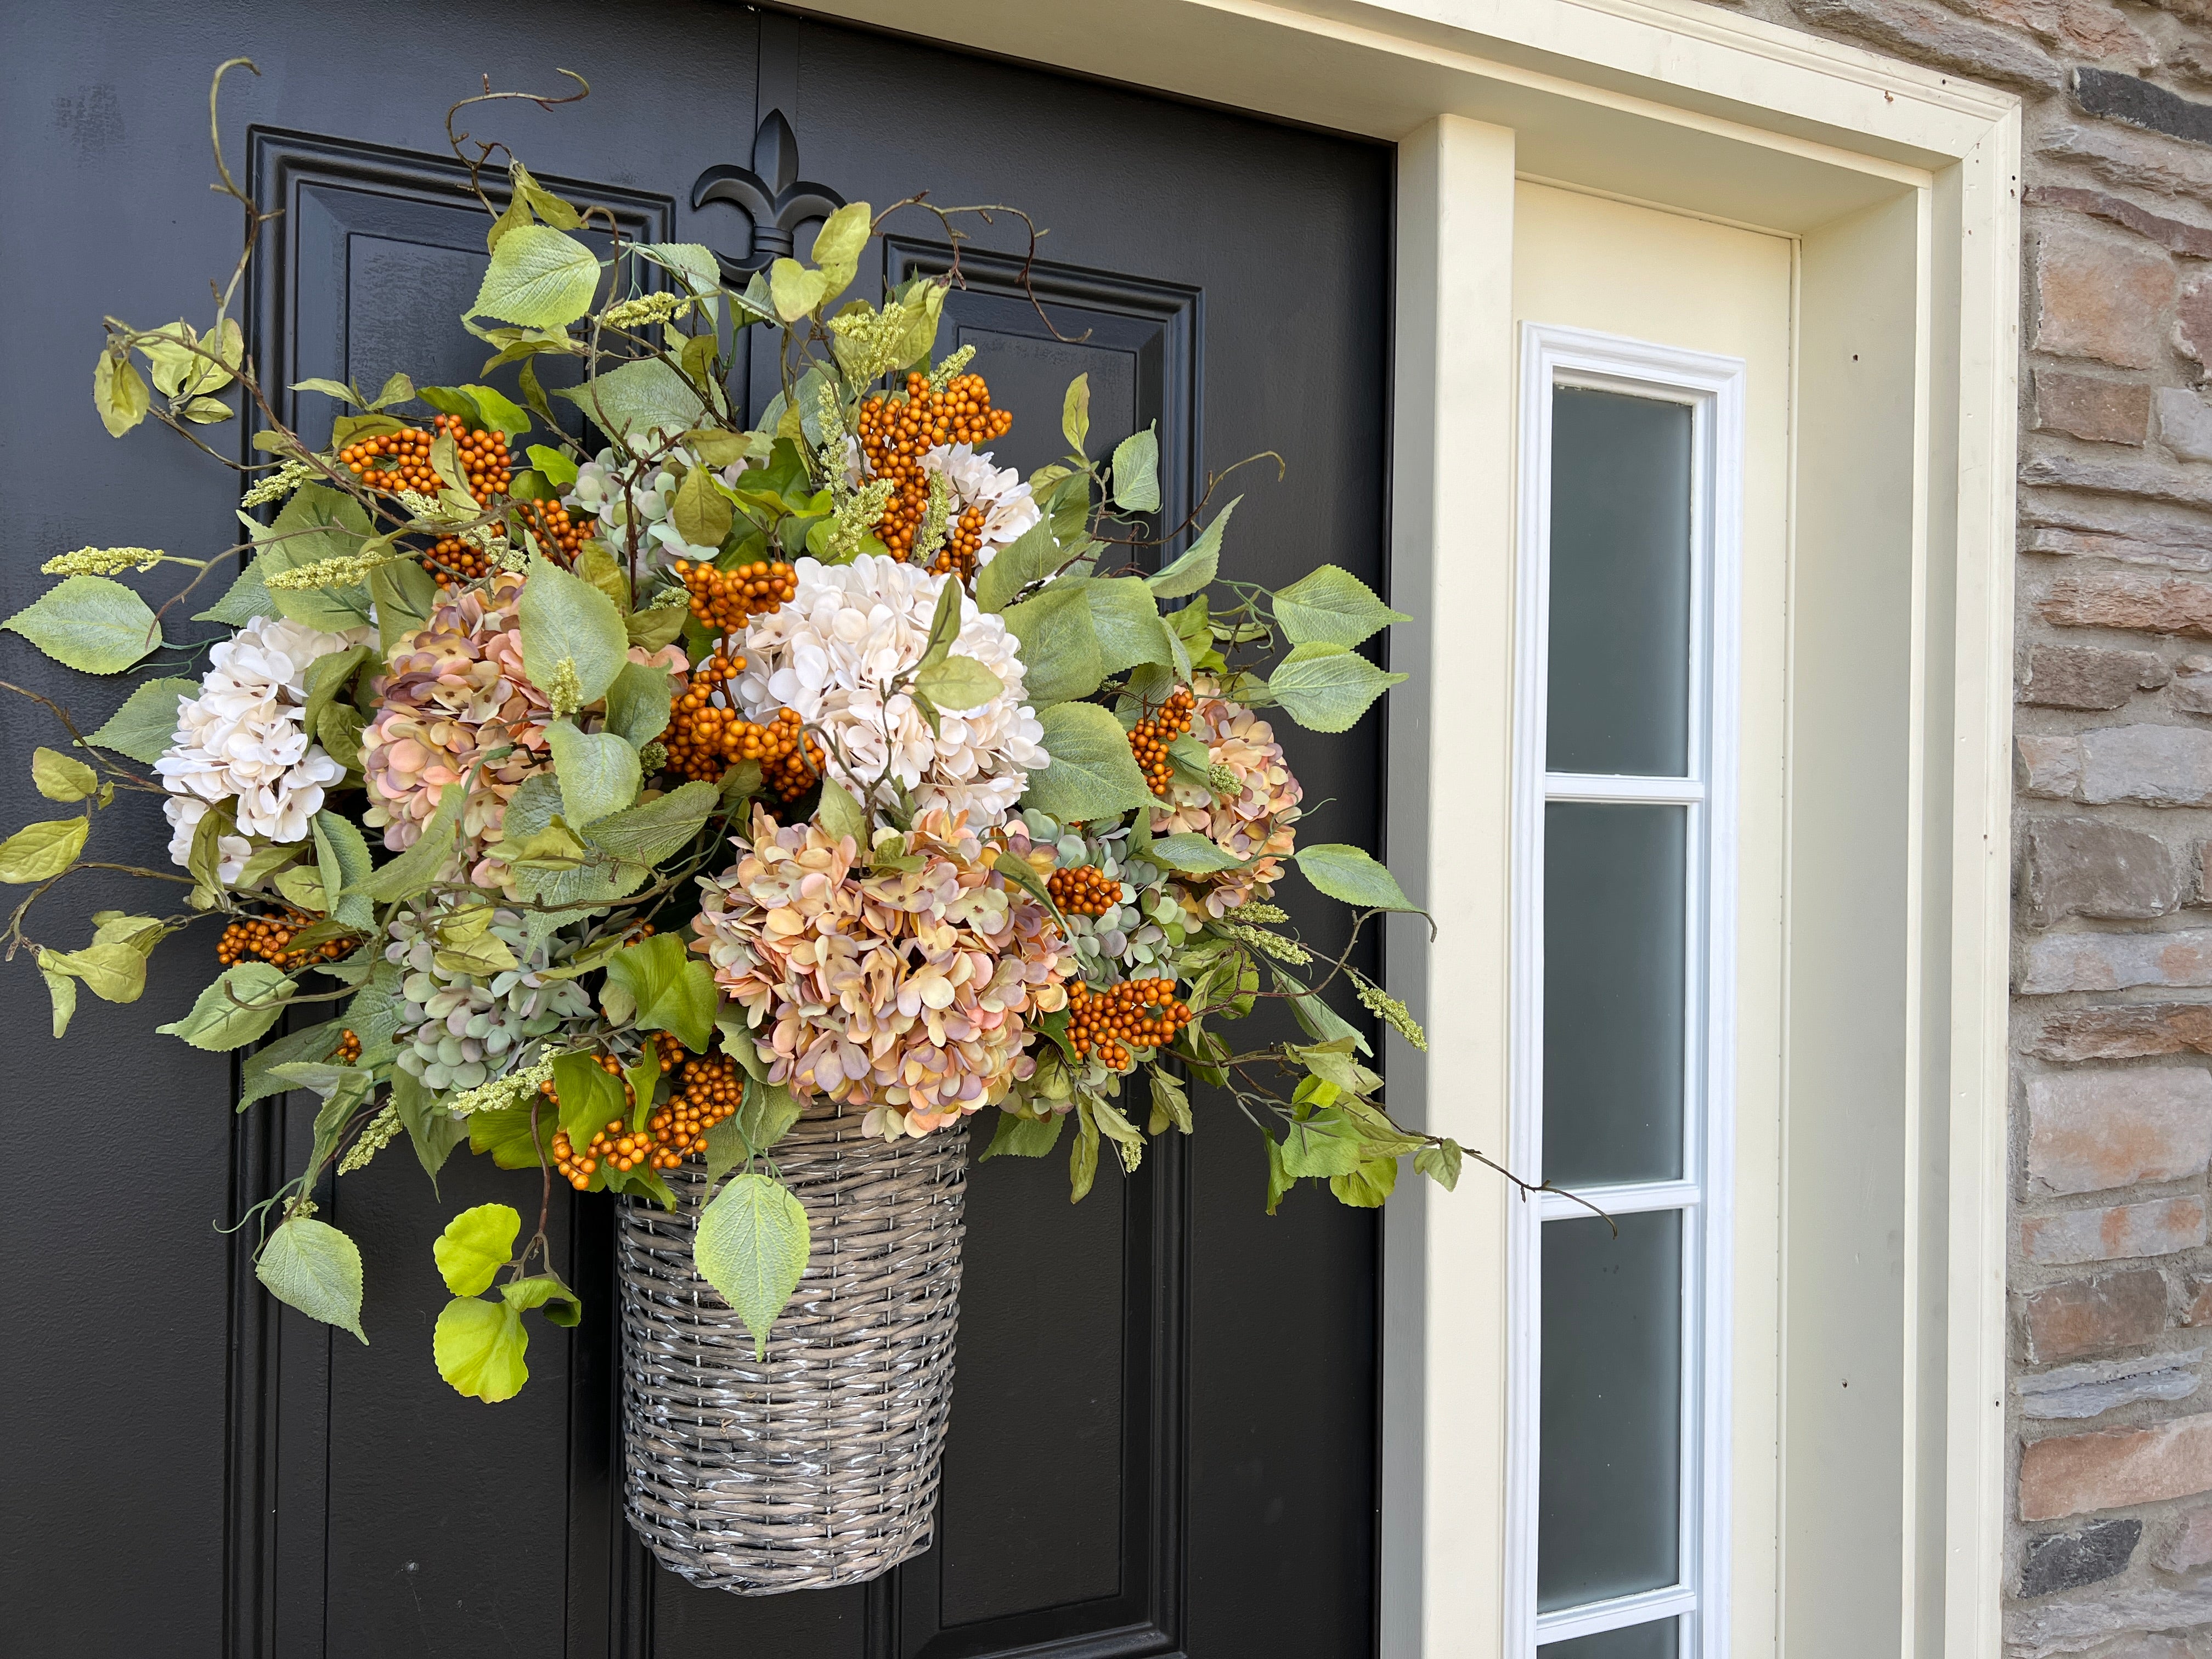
1163	1434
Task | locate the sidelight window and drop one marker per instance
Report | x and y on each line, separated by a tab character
1631	470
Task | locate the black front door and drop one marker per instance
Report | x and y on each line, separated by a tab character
1162	1436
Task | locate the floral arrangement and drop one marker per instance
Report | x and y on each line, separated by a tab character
602	806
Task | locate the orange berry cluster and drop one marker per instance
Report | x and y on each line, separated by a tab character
1150	738
895	433
711	1088
559	538
349	1049
723	600
1138	1013
1084	890
617	1144
706	734
269	939
401	460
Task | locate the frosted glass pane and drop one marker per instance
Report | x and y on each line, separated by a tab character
1609	1487
1661	1639
1613	971
1619	697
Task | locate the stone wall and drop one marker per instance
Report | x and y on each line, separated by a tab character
2109	1542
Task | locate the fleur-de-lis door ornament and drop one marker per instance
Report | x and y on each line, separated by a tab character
769	192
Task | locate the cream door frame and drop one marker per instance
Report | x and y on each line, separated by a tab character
1901	186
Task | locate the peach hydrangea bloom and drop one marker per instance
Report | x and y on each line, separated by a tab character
912	992
1253	821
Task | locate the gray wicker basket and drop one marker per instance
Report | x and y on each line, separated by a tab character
816	1466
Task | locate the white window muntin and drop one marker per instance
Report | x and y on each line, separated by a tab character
1713	387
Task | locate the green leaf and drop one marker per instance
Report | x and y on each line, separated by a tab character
751	1246
218	1022
958	684
318	523
1083	1157
794	290
1126	619
1025	1136
499	410
563	616
91	624
724	1147
114	971
39	852
838	246
1075	414
596	566
699	511
342	856
561	1305
1193	854
339	732
840	814
638	703
205	411
1326	1144
414	869
599	773
119	393
1137	471
656	628
1199	563
1279	1180
639	397
1327	688
590	1096
312	1266
58	777
558	466
1316	1019
147	723
1346	873
61	989
766	1116
649	832
1060	647
1332	606
1440	1163
326	676
247	598
1171	1103
479	1346
259	1078
405	595
673	988
1032	556
538	277
476	1245
550	207
1092	775
1368	1185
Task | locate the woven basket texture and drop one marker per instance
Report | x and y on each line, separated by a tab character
817	1465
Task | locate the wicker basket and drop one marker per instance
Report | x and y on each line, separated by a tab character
816	1466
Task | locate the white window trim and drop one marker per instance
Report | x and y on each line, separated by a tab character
1713	387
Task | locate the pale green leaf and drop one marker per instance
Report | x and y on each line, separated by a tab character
538	277
1327	688
1126	620
1368	1185
1350	874
1327	1144
119	393
1075	414
699	511
1016	1136
1060	647
39	852
318	523
599	773
420	865
326	676
1193	854
656	628
312	1266
653	829
1092	775
499	410
91	624
342	856
1440	1163
61	989
958	684
563	616
244	1001
114	971
590	1096
751	1245
795	290
1034	555
766	1116
476	1245
247	598
1332	607
406	595
638	703
479	1346
561	1306
58	777
1198	563
1137	471
841	813
838	246
558	466
638	398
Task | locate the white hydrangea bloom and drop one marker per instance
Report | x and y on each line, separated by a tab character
1009	510
241	740
847	635
598	494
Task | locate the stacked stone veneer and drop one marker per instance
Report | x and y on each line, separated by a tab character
2109	1543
